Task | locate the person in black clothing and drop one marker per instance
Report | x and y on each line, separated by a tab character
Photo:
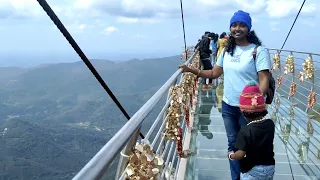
197	45
202	37
206	33
255	141
205	52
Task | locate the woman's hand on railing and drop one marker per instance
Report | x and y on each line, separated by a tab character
185	68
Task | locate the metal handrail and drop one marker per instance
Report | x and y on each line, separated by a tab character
297	104
306	85
300	52
100	163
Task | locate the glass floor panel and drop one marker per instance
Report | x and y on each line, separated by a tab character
297	152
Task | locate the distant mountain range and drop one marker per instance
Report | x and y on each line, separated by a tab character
58	116
32	59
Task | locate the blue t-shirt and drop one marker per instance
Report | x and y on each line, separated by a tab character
213	46
240	69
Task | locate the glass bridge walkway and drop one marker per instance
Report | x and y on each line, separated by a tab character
188	141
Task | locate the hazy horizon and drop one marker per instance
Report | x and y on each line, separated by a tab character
24	60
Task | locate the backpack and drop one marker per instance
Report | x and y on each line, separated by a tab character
272	82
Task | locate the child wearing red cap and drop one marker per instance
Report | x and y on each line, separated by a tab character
255	141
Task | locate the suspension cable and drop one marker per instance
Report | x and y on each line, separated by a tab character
184	32
294	22
46	7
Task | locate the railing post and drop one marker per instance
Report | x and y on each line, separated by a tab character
124	157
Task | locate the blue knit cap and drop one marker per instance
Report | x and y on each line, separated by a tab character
241	16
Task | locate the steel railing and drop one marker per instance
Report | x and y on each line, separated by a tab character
125	139
297	123
297	120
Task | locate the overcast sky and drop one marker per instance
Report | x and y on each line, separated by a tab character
122	29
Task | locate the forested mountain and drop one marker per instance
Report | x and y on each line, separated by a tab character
58	116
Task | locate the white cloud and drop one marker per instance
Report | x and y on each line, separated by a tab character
19	9
109	30
284	8
252	6
32	9
82	4
128	11
215	3
136	20
152	11
75	27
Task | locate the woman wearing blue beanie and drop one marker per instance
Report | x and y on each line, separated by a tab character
242	60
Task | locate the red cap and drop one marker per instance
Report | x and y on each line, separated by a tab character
251	99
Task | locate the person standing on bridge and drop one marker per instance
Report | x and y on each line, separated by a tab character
239	66
255	140
222	42
214	45
202	37
205	57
